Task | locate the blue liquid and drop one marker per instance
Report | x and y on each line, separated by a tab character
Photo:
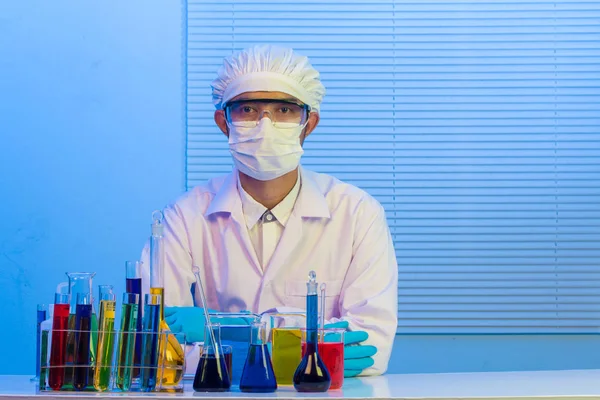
41	317
258	376
149	362
238	337
83	327
134	285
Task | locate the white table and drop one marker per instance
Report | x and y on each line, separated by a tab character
555	385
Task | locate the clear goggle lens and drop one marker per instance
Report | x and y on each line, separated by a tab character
250	112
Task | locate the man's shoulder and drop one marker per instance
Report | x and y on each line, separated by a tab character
198	198
338	192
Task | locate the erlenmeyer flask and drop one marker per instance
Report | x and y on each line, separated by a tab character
212	374
258	376
80	283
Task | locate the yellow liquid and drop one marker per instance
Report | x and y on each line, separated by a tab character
106	342
287	354
172	358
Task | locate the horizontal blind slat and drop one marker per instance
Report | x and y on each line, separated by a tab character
474	123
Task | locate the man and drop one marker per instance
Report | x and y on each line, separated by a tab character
256	233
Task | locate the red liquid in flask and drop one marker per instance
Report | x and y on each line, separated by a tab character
332	355
58	349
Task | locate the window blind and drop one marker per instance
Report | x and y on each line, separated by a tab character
475	123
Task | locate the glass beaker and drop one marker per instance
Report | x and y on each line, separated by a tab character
80	284
331	351
212	374
286	339
258	376
235	332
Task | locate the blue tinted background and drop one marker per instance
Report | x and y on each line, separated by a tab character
92	129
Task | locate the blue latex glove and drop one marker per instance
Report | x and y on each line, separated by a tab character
190	320
357	357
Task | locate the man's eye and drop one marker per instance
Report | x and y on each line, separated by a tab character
247	109
285	110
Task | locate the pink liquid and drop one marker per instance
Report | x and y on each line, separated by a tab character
332	355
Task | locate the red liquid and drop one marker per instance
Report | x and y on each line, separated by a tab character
332	355
58	349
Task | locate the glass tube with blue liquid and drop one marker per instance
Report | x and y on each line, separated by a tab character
149	345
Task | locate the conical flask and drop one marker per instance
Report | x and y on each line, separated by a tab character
258	375
212	374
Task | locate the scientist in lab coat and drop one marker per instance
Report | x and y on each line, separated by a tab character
256	232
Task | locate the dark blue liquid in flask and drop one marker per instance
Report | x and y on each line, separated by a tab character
312	374
212	374
83	327
258	376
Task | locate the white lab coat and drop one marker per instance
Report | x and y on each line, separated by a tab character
335	229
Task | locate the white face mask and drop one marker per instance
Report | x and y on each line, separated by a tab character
266	152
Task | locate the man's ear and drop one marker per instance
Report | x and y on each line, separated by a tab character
221	122
313	121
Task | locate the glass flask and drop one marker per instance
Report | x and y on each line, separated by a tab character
258	376
212	374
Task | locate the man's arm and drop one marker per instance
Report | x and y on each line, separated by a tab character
369	298
178	275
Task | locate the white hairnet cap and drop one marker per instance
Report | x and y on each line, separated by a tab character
271	69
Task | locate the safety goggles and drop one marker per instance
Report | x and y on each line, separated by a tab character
281	112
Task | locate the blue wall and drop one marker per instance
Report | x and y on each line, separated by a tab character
91	122
92	133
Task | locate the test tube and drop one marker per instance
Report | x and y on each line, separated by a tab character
126	346
149	362
133	284
106	339
41	315
83	328
58	346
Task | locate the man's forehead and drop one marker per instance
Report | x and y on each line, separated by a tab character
265	95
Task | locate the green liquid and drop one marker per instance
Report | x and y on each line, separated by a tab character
106	341
43	360
126	346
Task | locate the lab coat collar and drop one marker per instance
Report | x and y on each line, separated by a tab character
227	198
311	202
253	210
